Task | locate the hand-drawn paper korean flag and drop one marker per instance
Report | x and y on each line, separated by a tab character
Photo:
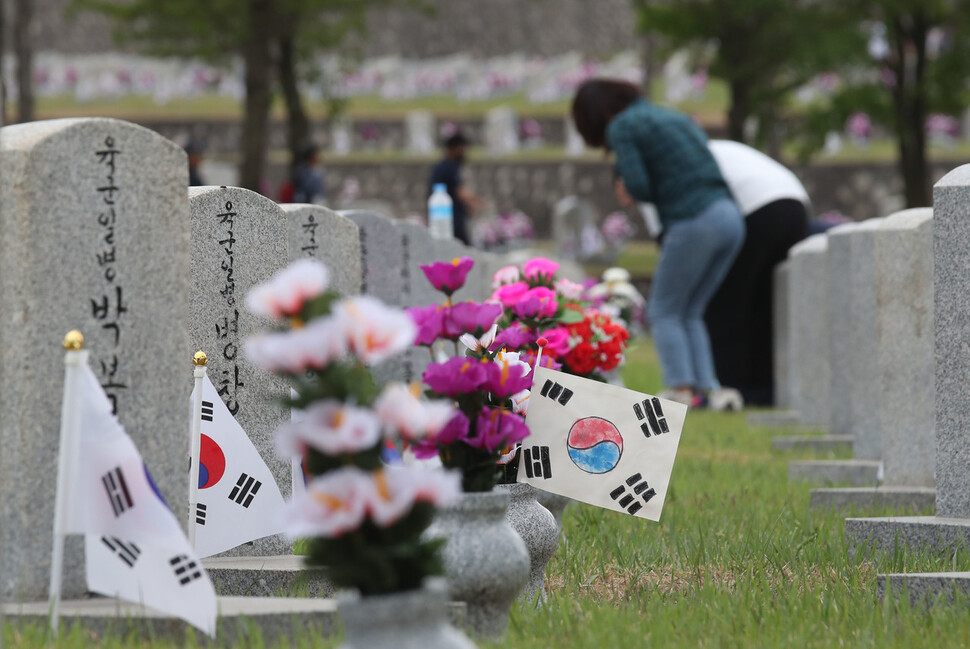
239	500
600	444
135	549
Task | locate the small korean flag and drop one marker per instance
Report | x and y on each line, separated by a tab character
239	500
600	444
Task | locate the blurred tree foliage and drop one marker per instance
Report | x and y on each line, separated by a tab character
275	39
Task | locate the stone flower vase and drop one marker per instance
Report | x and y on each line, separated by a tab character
555	503
415	619
537	527
486	562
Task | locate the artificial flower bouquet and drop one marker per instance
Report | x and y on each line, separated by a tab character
579	338
489	386
364	519
617	297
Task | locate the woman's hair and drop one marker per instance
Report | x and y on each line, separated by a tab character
597	101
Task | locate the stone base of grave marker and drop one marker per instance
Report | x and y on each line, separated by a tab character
905	500
925	587
854	473
296	619
933	533
820	444
266	577
774	418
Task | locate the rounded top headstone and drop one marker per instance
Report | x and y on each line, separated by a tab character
908	219
815	244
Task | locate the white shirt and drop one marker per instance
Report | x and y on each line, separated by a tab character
754	178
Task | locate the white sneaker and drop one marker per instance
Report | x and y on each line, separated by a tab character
683	396
727	399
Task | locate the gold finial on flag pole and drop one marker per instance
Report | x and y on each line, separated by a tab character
74	340
200	359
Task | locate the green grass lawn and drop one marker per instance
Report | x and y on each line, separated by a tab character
738	560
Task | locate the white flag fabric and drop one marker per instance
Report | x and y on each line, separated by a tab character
239	500
135	549
600	444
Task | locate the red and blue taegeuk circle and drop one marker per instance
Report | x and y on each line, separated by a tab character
595	445
212	463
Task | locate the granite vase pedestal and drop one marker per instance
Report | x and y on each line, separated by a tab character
555	503
537	527
486	561
414	619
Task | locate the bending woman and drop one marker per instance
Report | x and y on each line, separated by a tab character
662	158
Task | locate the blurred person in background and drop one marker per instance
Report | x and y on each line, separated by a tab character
448	172
662	158
195	149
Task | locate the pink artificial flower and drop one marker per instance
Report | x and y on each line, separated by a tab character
506	375
455	376
398	488
538	302
331	427
374	331
284	295
569	289
540	269
333	504
497	428
557	343
456	429
314	346
515	336
402	412
506	275
448	277
469	317
510	294
430	323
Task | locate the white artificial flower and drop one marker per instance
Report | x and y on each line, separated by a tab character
598	291
397	488
513	362
402	412
479	344
627	291
330	427
569	289
373	330
520	402
285	294
333	504
311	347
505	275
616	274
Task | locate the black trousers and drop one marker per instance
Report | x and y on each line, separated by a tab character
739	317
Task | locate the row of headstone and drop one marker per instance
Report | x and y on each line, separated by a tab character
898	375
101	234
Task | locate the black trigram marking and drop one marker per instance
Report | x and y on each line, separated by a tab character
206	411
246	487
127	552
537	464
630	501
186	570
656	421
556	392
200	513
117	489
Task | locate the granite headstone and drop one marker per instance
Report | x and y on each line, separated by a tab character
809	331
781	343
239	239
321	233
95	229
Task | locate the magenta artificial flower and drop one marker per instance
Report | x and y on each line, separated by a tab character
540	269
538	302
548	362
455	376
516	336
430	323
510	294
448	277
469	317
456	430
498	428
557	343
504	378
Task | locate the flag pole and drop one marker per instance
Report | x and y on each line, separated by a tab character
74	358
199	360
